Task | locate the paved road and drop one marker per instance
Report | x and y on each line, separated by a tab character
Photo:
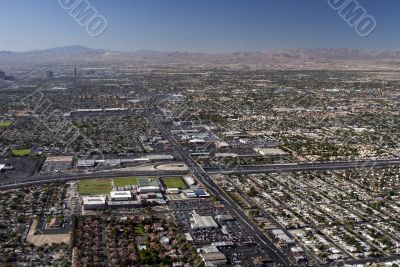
294	167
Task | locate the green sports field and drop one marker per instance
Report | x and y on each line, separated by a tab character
174	182
5	124
123	181
21	152
95	187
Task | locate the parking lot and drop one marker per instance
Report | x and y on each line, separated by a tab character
231	238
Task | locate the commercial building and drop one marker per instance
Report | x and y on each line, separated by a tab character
123	201
160	157
147	185
201	193
172	191
121	195
2	75
270	151
210	249
93	203
85	163
152	198
213	259
197	193
202	222
188	237
189	180
282	237
225	218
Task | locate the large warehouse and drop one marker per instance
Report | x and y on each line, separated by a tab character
202	222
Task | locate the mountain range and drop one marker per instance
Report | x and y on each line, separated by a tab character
319	57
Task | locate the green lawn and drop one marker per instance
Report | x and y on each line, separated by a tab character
128	180
139	229
21	152
5	124
125	181
174	182
95	187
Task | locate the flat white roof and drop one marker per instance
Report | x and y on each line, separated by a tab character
270	151
172	189
189	180
120	194
151	187
188	237
2	166
160	156
86	163
94	200
60	159
202	222
210	249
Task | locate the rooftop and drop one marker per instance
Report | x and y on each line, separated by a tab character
121	194
60	159
94	200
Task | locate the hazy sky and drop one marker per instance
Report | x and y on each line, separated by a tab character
197	25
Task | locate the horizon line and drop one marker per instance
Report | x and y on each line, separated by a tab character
199	52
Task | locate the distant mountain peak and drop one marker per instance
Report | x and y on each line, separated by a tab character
72	49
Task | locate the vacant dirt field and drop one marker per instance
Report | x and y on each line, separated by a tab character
40	240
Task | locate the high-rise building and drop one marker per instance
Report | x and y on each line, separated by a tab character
2	75
50	74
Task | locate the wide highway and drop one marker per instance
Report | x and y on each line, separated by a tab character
251	169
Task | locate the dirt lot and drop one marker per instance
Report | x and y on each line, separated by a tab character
40	240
